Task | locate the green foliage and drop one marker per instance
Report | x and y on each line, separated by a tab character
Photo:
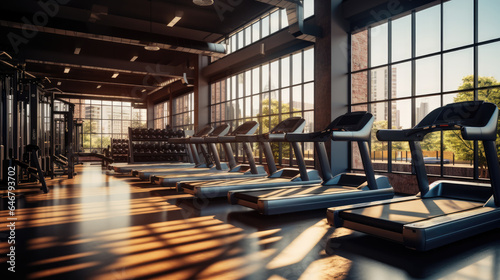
464	150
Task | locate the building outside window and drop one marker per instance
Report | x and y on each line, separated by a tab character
404	67
162	115
104	120
183	112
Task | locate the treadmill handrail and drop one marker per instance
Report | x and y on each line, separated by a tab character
363	134
484	132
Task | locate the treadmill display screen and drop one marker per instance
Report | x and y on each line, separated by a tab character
350	121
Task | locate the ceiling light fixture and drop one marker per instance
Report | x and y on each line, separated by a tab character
115	75
98	86
203	2
77	50
58	83
134	58
151	46
174	21
143	90
66	70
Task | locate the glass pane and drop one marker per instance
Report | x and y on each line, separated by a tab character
297	68
240	108
359	50
275	83
488	19
428	33
359	87
275	21
431	149
401	119
308	65
265	26
297	98
228	88
106	126
240	85
256	80
241	39
248	107
285	100
379	148
234	42
275	102
458	23
489	60
285	71
425	105
255	105
309	96
265	104
308	8
401	38
248	36
428	73
401	80
378	45
265	77
378	84
248	82
284	18
233	87
457	67
458	155
256	31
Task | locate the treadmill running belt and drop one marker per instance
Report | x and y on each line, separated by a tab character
254	196
394	216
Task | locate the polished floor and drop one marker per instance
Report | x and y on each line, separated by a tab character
116	227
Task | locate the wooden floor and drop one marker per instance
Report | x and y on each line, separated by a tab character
97	226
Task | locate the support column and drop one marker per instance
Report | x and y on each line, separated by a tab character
201	94
331	60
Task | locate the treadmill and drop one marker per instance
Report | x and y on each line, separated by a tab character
445	211
342	189
282	177
235	171
211	156
126	168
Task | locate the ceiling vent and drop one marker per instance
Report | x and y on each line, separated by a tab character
203	2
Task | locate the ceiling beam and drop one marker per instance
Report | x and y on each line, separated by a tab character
104	64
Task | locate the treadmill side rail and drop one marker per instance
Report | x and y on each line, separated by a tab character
439	231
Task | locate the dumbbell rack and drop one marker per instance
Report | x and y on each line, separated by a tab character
119	150
151	145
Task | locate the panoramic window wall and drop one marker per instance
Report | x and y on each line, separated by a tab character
106	120
403	68
268	94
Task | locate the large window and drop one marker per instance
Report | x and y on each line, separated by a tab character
183	112
403	68
268	94
162	115
263	26
103	120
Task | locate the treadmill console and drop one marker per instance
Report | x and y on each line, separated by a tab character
220	130
204	131
353	121
289	125
246	128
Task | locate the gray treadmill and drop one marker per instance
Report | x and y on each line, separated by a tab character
445	211
236	170
126	168
342	189
282	177
211	155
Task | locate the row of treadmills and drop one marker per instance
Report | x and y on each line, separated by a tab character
441	213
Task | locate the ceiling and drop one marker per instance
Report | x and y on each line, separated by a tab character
109	33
